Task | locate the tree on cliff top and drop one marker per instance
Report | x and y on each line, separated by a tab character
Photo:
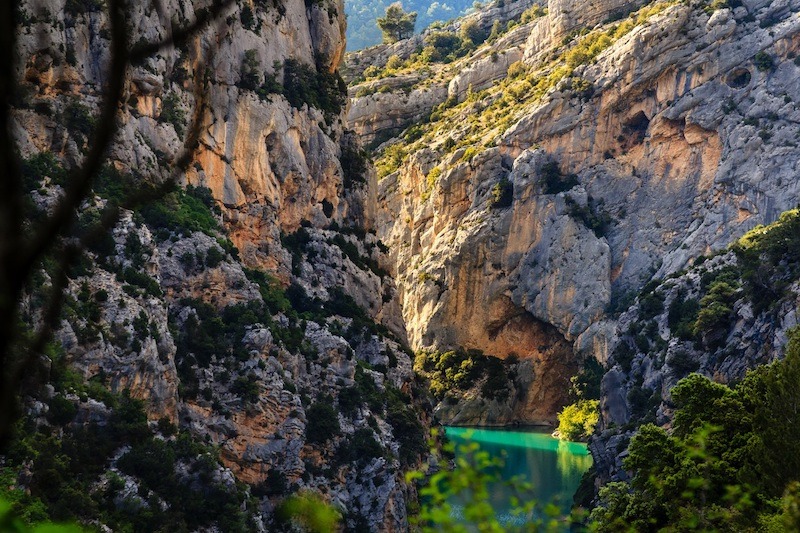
397	25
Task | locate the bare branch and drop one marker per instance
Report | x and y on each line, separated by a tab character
19	259
80	179
18	369
179	36
11	182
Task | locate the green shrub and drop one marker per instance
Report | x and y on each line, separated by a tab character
462	370
271	292
716	309
354	166
502	194
593	215
62	411
182	212
41	165
576	422
250	77
554	181
173	113
682	315
763	61
361	448
303	84
139	279
322	423
472	32
585	385
768	259
246	388
78	119
406	426
682	362
247	18
446	45
623	355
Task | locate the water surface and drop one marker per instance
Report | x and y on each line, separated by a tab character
554	467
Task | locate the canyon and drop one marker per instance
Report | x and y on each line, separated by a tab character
503	185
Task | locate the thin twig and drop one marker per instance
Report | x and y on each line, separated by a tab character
18	262
179	36
80	180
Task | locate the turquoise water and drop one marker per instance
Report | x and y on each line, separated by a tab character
554	467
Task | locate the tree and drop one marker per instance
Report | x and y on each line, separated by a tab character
731	461
397	25
25	243
472	31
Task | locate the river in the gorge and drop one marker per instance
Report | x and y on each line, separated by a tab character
553	467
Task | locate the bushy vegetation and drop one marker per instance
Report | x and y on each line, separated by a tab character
69	477
79	120
576	422
554	181
593	215
502	193
682	316
768	260
461	370
322	423
354	166
763	61
716	307
731	461
182	212
405	426
173	113
304	84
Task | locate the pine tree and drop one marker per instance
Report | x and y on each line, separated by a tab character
397	25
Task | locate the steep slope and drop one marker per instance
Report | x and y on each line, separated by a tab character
247	309
620	143
728	314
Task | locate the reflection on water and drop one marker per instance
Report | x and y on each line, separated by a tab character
554	467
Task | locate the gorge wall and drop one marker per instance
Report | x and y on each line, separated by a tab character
252	317
608	146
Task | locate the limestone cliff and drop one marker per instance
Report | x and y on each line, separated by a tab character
243	315
624	142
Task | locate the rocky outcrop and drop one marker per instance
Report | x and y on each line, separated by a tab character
358	61
375	116
270	163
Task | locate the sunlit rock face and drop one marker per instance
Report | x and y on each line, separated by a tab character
678	134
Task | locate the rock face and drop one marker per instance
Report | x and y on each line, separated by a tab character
270	163
624	153
185	318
